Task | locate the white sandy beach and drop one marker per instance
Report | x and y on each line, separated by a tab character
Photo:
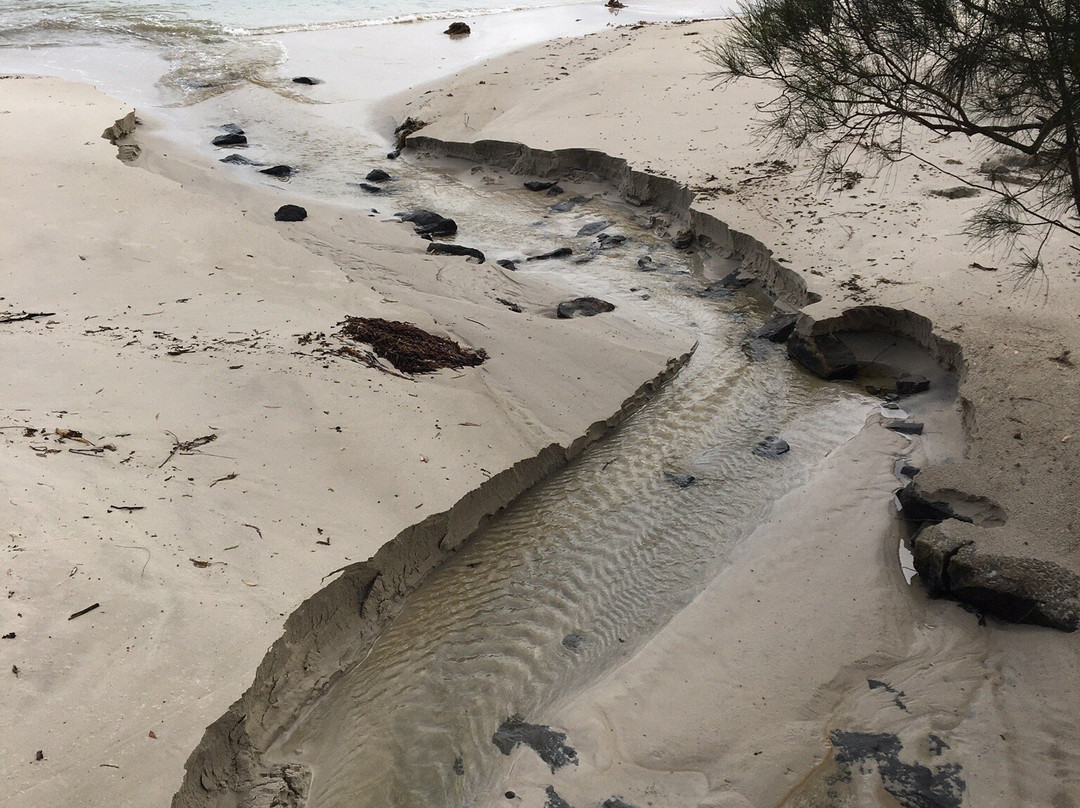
195	586
175	305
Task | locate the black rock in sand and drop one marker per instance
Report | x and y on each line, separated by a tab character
583	307
440	248
290	213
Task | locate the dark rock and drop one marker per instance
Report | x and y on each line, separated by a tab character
539	185
420	217
910	784
444	227
684	240
514	307
905	427
608	241
572	642
824	355
546	742
908	384
583	307
922	509
283	172
615	802
428	223
377	175
956	192
308	80
1020	590
561	252
459	766
756	350
554	800
290	213
649	264
506	263
395	154
592	228
438	248
229	140
777	328
771	447
567	204
232	128
679	479
909	471
458	29
240	160
371	189
555	190
716	290
733	280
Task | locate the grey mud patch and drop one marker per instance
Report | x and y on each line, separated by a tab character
549	744
554	800
912	785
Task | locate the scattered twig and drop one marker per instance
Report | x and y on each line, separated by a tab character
1063	359
186	446
226	478
26	315
87	610
977	265
91	451
108	766
138	547
369	359
128	507
255	528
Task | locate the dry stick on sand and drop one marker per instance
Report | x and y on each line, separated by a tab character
26	315
186	446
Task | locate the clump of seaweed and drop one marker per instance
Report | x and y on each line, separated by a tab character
410	349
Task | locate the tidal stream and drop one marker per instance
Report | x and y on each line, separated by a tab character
582	569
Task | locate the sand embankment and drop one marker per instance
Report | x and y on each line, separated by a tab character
173	310
877	251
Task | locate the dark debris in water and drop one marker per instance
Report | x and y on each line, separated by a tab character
679	478
572	641
912	785
549	744
409	348
898	695
771	447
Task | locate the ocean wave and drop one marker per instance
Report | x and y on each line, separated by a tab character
398	19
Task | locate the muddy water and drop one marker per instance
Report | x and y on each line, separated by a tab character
582	569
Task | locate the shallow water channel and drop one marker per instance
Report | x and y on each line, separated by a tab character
582	569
